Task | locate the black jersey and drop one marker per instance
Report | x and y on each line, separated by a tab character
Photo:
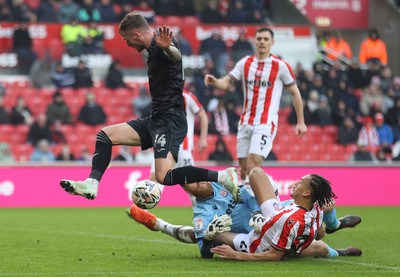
166	80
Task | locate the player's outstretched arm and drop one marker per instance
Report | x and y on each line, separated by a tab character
221	83
301	127
164	41
226	252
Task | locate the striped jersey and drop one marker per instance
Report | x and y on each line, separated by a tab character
291	230
192	107
263	82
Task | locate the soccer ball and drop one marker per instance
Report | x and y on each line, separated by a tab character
146	194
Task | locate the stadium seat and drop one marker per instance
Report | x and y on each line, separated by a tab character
191	20
173	21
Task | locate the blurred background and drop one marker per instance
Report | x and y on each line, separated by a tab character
65	72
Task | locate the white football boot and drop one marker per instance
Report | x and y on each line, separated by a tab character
87	188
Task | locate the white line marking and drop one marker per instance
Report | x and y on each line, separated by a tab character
392	268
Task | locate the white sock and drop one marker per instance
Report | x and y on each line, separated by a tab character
222	176
182	234
165	227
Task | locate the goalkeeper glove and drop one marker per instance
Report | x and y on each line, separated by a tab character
257	222
217	226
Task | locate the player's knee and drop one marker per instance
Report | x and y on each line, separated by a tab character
165	179
103	137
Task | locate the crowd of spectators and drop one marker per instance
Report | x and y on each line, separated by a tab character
85	11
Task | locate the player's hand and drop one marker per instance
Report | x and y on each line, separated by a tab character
301	130
209	79
257	221
217	226
225	252
164	38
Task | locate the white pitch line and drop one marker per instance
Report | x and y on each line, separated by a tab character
392	268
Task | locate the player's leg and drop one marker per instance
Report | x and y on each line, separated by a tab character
243	170
243	145
119	134
334	224
320	249
182	233
263	191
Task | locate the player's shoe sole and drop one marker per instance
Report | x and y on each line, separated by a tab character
232	183
350	251
348	221
143	217
79	188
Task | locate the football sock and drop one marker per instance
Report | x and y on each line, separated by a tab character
189	174
102	156
331	220
181	233
332	253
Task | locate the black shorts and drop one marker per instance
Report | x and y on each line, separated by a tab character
164	133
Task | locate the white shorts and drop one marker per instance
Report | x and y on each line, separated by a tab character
256	139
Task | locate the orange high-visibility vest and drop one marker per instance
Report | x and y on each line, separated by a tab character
371	49
341	47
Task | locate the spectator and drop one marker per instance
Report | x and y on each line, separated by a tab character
338	48
344	93
385	132
339	112
362	154
107	12
125	154
82	76
39	74
5	153
5	12
219	123
311	109
92	113
393	114
348	132
396	151
93	38
214	48
40	129
144	8
4	113
355	76
211	13
383	155
184	8
324	114
72	35
126	7
57	135
184	44
85	155
42	152
47	11
238	13
23	47
241	47
318	85
373	48
62	77
372	98
220	154
21	12
89	12
368	135
142	104
386	79
20	113
65	154
58	110
67	12
115	78
145	157
233	112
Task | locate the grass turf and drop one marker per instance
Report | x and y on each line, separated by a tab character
105	242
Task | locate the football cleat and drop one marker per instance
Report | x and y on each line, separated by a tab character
143	217
348	221
349	251
232	183
87	188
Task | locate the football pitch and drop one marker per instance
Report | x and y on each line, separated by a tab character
105	242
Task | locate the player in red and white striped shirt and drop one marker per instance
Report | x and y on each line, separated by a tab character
264	77
286	232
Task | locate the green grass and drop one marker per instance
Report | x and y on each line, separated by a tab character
105	242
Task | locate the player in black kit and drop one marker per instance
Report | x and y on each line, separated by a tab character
165	129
